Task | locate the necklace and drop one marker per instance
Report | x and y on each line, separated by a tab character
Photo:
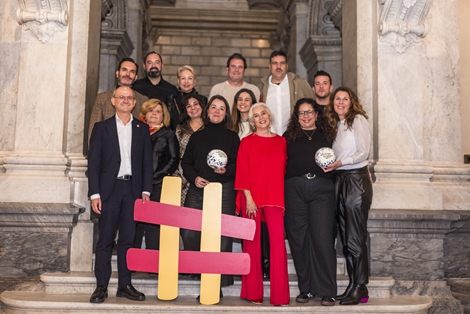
309	136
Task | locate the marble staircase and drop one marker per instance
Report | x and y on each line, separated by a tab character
70	293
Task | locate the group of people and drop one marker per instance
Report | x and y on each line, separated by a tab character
270	176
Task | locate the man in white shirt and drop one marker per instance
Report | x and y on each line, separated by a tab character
119	172
281	90
236	66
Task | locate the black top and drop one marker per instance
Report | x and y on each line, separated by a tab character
175	106
213	136
166	151
301	155
160	91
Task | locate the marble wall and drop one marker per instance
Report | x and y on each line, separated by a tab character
10	51
464	44
414	115
35	238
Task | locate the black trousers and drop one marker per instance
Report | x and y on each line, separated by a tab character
151	231
309	222
117	213
354	197
192	239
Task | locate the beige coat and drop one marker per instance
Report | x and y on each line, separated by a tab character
298	87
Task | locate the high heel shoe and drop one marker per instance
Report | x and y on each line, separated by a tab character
346	292
359	294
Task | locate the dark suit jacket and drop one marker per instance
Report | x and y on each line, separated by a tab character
104	158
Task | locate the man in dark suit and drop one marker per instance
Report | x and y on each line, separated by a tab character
119	172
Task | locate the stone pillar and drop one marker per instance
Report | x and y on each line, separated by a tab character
414	105
115	44
135	21
464	43
52	50
322	49
297	12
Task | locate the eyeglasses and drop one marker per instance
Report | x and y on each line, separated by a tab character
122	98
307	112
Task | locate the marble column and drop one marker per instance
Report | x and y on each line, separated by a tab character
115	44
298	17
322	49
135	22
50	55
407	80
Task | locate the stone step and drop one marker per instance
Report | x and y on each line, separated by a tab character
22	302
340	264
85	283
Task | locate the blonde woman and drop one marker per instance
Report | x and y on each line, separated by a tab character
166	154
186	76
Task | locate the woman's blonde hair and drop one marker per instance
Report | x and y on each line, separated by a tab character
151	104
184	68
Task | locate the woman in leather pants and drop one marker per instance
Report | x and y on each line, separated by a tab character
353	188
215	135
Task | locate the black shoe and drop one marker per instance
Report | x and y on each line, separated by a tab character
265	266
130	292
359	294
327	301
99	295
194	276
346	292
303	297
220	296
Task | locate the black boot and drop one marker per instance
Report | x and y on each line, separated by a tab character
346	292
359	293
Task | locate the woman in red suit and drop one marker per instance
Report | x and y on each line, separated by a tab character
259	179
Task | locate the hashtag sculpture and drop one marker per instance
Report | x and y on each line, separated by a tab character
209	262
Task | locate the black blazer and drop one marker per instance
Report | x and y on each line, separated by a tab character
104	158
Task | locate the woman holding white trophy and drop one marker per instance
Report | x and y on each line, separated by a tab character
210	156
353	187
310	202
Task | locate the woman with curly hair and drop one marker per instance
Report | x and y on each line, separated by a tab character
310	203
353	187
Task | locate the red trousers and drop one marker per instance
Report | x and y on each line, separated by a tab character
252	284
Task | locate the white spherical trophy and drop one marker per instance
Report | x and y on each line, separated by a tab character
325	156
217	158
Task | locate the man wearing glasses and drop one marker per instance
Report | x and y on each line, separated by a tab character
119	172
281	90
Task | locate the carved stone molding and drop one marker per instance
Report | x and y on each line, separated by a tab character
335	10
43	17
167	17
106	6
264	4
167	3
402	22
115	19
320	21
